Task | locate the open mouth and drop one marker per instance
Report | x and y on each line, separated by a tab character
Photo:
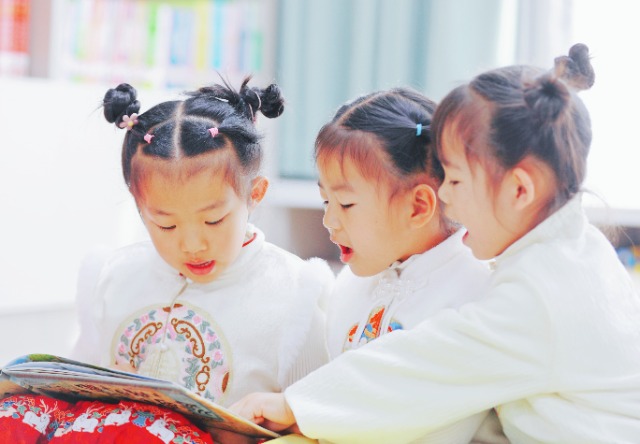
346	253
201	268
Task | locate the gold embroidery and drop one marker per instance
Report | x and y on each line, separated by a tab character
193	335
202	382
140	338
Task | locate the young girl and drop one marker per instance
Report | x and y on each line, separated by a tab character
378	179
208	303
555	344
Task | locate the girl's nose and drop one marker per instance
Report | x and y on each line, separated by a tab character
329	219
193	242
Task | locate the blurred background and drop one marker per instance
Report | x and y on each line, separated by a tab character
61	191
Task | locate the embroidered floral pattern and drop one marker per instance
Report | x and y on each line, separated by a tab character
176	343
371	330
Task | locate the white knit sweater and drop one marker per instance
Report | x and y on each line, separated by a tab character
555	345
257	327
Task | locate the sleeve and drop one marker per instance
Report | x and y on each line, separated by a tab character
409	384
305	349
89	306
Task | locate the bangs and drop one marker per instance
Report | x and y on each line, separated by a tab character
180	169
466	115
362	148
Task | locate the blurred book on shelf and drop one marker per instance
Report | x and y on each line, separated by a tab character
167	44
161	43
14	37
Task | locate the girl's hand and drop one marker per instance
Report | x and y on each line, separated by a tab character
269	410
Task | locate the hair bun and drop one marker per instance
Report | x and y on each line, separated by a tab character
576	69
547	97
246	101
120	101
268	101
272	101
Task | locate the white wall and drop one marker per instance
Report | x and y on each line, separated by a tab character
60	189
34	330
60	193
611	31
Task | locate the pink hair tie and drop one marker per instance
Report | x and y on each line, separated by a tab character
128	121
214	131
148	137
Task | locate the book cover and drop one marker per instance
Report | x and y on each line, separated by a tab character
71	380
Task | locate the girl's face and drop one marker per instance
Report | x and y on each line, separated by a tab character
470	199
360	218
197	224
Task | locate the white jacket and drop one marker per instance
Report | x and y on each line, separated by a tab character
257	327
403	295
362	309
555	345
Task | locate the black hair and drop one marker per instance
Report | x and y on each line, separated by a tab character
181	128
509	113
397	122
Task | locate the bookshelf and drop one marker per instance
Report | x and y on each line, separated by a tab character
166	44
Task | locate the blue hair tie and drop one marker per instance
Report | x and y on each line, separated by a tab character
418	129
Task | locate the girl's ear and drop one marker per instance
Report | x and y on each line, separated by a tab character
259	188
424	201
532	184
522	186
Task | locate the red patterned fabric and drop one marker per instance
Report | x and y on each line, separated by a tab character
127	422
28	419
34	419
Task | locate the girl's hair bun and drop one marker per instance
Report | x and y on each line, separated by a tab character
549	94
575	69
268	101
247	101
272	101
546	97
120	101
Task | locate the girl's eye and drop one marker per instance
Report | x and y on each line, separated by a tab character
215	222
166	228
325	204
454	182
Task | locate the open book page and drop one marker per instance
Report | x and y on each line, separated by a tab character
72	380
8	388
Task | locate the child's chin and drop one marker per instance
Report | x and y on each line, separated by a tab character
480	254
203	279
362	272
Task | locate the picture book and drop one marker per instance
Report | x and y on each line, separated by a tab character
71	380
